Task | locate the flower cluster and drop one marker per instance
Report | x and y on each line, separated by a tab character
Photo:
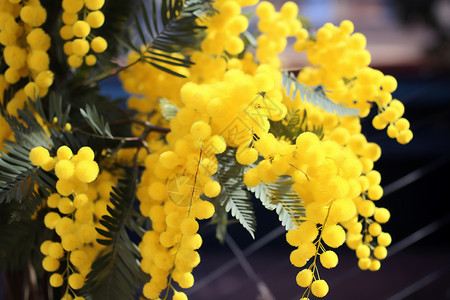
79	17
73	214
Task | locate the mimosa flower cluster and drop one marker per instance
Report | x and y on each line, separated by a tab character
79	17
235	102
229	117
73	214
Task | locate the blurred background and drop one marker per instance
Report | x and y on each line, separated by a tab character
408	39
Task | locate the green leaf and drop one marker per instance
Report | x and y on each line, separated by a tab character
18	176
96	121
233	197
116	274
314	96
293	125
280	196
168	109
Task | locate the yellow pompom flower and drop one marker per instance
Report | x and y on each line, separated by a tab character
80	46
56	280
39	156
329	259
189	226
99	44
72	6
34	15
55	250
201	130
51	219
15	56
333	236
81	29
380	252
76	281
38	61
384	239
65	187
94	4
319	288
86	171
85	153
38	39
382	215
50	264
179	296
65	206
64	169
304	277
95	19
44	79
212	189
90	60
203	209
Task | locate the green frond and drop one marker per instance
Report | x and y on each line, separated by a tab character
169	27
96	121
168	109
233	197
18	176
314	95
280	196
116	274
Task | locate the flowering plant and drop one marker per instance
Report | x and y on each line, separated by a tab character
102	198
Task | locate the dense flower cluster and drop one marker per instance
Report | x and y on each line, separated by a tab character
79	17
232	104
74	213
25	53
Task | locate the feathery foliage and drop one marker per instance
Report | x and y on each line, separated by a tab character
293	125
280	196
314	96
168	109
96	121
233	196
116	273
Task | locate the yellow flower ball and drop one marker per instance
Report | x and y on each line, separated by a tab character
99	44
319	288
55	250
384	239
39	156
72	6
38	61
297	259
34	15
307	231
31	90
94	4
69	18
375	192
86	171
85	153
193	242
81	29
51	219
90	60
80	47
50	264
382	215
64	169
15	56
374	229
38	39
65	206
380	252
95	19
375	265
66	32
203	210
56	280
189	226
304	277
44	247
364	263
45	79
362	251
329	259
366	208
76	281
179	296
65	187
247	156
79	258
64	226
201	130
333	236
186	280
70	242
12	76
212	189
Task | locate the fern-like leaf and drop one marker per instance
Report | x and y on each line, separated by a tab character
314	96
169	27
96	121
18	176
293	125
116	274
233	196
279	196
